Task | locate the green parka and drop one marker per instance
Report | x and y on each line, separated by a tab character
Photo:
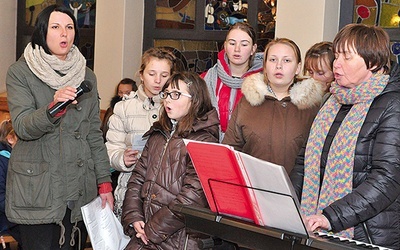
55	159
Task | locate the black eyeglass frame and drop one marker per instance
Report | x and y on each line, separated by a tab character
174	95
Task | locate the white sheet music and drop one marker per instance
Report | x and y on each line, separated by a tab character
105	230
277	199
263	191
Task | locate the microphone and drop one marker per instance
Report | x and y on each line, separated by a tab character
85	87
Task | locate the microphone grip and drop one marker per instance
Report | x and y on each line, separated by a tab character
53	111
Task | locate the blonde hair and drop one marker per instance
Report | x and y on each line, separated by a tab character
316	55
159	53
289	43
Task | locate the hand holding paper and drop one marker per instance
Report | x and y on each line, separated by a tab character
105	230
130	157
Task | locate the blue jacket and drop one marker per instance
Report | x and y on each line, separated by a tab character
4	156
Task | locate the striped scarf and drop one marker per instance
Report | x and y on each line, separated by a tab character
338	178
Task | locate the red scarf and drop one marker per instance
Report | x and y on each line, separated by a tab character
223	93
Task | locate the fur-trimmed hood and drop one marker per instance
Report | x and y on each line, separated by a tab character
304	94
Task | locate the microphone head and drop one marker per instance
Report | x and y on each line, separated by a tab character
86	86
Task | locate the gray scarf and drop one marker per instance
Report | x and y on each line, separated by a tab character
235	83
54	72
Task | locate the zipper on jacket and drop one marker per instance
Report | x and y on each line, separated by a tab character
168	138
367	234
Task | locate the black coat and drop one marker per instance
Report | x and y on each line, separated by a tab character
375	199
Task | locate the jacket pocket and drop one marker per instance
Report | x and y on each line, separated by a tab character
31	185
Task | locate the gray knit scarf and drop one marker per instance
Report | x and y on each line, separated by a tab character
54	72
235	83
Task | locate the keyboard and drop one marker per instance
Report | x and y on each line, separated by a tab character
357	243
252	236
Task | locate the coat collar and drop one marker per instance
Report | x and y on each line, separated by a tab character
208	122
304	94
141	95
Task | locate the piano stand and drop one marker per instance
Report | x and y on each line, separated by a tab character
249	235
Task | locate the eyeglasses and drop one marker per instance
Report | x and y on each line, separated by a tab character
174	95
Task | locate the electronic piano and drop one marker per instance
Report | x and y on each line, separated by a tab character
249	235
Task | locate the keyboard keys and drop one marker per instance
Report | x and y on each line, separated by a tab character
349	242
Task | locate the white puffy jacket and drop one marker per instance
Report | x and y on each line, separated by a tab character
133	115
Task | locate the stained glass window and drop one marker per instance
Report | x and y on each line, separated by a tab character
220	15
175	14
266	17
195	56
84	10
385	14
195	30
376	12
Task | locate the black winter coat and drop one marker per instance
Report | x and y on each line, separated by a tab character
375	199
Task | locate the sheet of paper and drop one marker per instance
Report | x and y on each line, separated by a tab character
105	230
138	142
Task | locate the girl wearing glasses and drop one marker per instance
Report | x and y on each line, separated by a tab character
134	115
164	174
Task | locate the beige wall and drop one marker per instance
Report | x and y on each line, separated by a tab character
307	21
118	44
8	38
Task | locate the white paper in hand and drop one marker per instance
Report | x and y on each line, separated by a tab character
105	230
138	142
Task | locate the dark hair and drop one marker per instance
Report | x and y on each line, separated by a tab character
159	53
369	42
289	43
126	81
201	101
316	54
42	23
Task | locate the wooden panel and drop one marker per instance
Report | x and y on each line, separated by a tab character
102	113
6	239
4	111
